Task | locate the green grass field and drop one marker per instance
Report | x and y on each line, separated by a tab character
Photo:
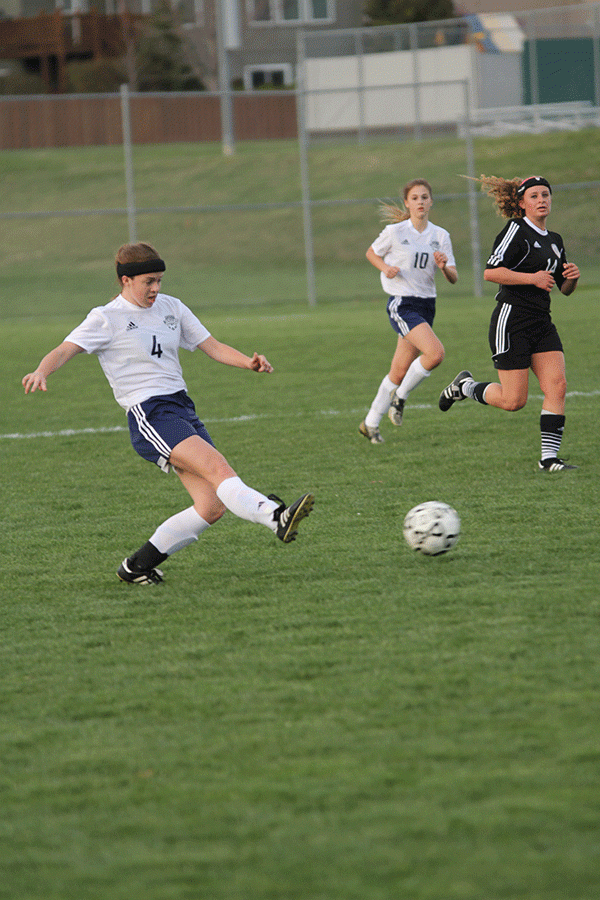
337	719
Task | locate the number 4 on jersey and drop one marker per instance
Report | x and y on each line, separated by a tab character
156	348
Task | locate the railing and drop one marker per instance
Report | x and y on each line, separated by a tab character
64	36
533	119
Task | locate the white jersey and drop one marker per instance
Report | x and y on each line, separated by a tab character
138	348
400	244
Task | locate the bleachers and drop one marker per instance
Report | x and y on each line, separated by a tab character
533	119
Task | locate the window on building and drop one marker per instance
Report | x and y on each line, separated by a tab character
292	12
191	12
269	75
261	11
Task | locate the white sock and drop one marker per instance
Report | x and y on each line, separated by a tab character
180	530
381	403
245	502
415	375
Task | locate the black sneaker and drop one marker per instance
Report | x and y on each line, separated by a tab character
133	575
554	465
396	410
288	517
453	392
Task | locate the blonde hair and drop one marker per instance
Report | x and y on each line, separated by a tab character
503	191
389	212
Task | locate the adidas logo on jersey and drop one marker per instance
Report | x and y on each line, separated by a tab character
537	246
131	326
405	241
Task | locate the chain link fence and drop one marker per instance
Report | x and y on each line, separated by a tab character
290	219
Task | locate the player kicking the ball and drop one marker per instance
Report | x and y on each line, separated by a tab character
137	337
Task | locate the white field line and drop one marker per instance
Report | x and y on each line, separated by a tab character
69	432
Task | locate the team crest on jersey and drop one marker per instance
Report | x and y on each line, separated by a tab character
556	250
435	245
170	322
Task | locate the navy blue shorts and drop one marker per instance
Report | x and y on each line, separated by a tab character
160	423
407	312
516	334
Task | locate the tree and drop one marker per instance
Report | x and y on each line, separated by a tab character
160	60
388	12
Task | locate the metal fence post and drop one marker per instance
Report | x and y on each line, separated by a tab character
414	47
472	197
309	252
596	55
224	78
359	50
126	128
534	83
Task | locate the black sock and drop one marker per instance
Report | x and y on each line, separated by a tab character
479	390
147	557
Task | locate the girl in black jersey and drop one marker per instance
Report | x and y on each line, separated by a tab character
526	262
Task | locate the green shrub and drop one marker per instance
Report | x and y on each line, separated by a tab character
95	76
19	81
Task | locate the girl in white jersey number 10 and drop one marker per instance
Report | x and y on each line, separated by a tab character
408	253
137	337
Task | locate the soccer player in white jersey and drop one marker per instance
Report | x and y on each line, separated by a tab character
408	253
137	337
526	262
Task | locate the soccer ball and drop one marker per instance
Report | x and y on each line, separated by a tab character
431	528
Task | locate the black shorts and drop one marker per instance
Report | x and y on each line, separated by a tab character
516	334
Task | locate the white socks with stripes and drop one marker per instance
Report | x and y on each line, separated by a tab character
245	502
551	427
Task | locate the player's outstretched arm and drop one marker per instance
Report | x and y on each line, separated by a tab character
51	362
229	356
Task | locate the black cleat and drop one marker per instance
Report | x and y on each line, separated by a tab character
396	410
288	517
453	392
133	575
554	465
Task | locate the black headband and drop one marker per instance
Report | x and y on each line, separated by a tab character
131	269
532	181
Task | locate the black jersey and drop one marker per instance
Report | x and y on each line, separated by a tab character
521	248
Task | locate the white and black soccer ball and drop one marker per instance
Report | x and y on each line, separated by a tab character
431	528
